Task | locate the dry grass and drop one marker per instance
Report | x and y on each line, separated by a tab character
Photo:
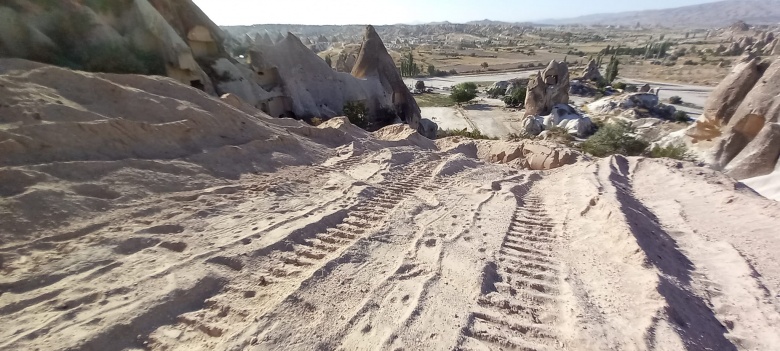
434	100
709	75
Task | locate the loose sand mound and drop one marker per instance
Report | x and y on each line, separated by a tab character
137	213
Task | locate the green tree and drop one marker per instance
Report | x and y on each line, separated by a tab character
431	70
484	65
464	92
357	113
329	60
612	69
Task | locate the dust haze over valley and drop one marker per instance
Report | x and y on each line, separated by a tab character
607	182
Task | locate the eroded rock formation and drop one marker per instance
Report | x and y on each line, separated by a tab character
549	88
726	98
304	86
745	134
742	115
591	72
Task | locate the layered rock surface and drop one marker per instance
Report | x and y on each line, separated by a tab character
307	87
742	116
550	87
175	38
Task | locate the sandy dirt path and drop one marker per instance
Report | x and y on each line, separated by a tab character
413	250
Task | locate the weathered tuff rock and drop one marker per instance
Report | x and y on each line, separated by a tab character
176	32
726	98
346	61
306	87
634	105
562	116
591	72
549	88
529	155
760	156
375	63
759	110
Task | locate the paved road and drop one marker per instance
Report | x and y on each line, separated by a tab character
694	94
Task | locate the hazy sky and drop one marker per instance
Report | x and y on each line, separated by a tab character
237	12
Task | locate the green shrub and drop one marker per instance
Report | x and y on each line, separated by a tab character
356	112
680	116
677	152
619	85
675	100
464	92
475	134
614	138
517	98
494	93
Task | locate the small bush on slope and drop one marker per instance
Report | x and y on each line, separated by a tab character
614	138
677	152
475	134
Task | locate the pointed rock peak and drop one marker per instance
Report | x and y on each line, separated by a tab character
371	32
553	65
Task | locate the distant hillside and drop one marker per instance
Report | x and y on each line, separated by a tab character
715	14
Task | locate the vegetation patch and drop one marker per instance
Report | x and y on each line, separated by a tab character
677	152
474	134
434	100
615	138
356	112
464	92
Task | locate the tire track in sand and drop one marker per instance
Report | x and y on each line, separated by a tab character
518	307
273	274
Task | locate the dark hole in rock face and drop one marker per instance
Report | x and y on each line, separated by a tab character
197	84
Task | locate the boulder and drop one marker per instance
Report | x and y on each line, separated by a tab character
502	84
428	128
549	88
533	125
579	88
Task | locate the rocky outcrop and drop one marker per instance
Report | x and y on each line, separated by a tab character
161	37
549	88
759	110
562	116
727	97
534	155
375	63
634	105
346	60
591	72
305	87
759	157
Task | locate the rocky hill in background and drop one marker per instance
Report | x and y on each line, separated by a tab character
709	15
